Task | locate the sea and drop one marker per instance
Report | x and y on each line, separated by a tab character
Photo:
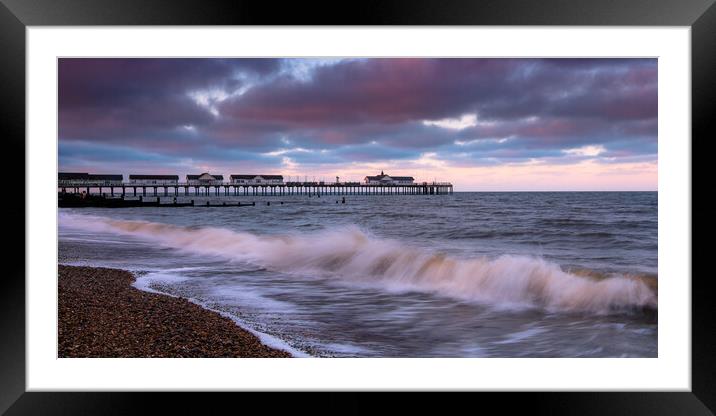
503	274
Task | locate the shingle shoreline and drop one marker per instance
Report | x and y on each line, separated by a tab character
101	315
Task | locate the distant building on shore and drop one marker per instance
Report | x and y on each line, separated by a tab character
205	179
384	179
88	179
154	179
256	179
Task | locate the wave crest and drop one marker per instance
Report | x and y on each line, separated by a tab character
354	256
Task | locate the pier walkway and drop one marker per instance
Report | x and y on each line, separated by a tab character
231	189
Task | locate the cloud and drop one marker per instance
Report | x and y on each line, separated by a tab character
323	114
280	152
430	159
590	151
467	120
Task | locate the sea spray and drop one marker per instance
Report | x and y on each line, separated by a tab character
352	255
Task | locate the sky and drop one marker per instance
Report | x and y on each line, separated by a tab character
482	124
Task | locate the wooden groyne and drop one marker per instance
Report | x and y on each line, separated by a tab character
71	200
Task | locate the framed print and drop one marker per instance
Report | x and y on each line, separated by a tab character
452	198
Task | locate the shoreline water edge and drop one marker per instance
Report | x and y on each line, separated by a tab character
101	314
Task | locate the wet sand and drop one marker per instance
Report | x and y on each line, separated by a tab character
101	315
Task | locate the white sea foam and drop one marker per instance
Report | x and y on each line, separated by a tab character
521	335
266	339
144	282
352	255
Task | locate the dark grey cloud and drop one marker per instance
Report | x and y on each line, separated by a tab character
247	110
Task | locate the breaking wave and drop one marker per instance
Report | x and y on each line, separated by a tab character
354	256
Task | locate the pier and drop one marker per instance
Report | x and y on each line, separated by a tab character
232	189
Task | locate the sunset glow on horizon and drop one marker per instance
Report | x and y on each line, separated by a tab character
482	124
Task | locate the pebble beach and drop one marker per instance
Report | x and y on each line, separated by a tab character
100	314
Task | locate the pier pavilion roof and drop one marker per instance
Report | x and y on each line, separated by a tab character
103	177
71	175
256	176
205	177
384	177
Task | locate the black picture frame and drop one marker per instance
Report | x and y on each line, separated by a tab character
16	15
